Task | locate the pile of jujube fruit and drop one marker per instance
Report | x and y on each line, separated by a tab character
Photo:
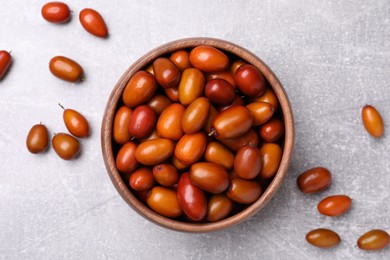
198	134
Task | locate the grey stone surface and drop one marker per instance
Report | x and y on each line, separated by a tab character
332	57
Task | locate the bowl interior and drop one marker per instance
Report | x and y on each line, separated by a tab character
109	150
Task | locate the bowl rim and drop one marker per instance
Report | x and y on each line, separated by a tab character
111	107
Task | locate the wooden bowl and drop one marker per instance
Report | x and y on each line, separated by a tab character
112	106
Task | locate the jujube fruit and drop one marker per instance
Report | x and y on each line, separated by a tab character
141	179
232	122
5	62
372	121
37	139
93	22
56	12
191	198
140	88
335	205
314	180
375	239
250	81
208	59
66	69
76	123
323	238
66	146
142	122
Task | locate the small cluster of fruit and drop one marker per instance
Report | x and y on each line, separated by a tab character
90	19
57	12
63	67
65	145
319	178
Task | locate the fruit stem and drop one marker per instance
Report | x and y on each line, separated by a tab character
213	132
61	106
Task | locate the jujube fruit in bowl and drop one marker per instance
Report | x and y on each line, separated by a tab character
203	150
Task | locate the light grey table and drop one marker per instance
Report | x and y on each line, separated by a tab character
332	57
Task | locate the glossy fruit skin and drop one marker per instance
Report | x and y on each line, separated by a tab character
208	59
261	112
56	12
142	122
225	75
159	103
141	179
210	118
66	69
272	131
37	139
179	165
140	88
323	238
5	62
172	93
249	138
151	136
195	115
244	191
220	92
181	59
191	86
76	123
169	123
314	180
235	65
165	174
166	73
219	154
271	155
372	121
268	97
334	206
247	162
190	148
191	198
125	159
164	201
93	22
154	151
250	81
66	146
210	177
237	101
120	131
375	239
232	122
219	207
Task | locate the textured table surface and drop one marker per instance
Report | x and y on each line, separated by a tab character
332	57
